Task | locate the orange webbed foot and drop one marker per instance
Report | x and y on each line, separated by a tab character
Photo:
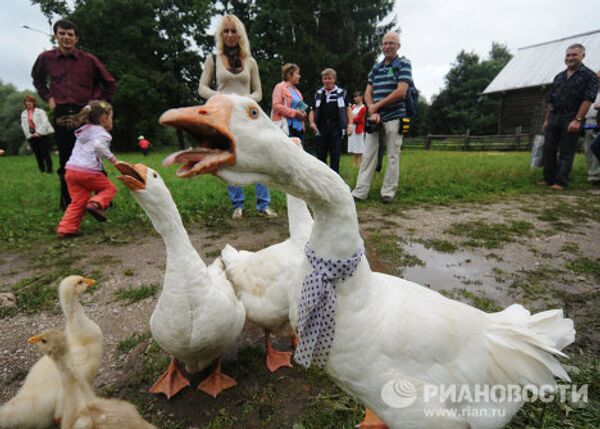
216	382
171	382
371	421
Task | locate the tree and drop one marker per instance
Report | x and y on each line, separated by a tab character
341	34
460	106
419	125
155	48
151	47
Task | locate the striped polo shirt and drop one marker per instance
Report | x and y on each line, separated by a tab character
385	78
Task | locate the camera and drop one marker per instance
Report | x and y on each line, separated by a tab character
371	127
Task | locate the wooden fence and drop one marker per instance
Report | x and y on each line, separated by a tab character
467	142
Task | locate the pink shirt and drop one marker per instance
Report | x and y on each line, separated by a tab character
282	100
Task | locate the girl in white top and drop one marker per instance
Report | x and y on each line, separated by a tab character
37	128
84	169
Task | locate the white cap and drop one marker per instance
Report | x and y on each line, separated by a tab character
140	137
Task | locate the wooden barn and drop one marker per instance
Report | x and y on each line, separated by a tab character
524	82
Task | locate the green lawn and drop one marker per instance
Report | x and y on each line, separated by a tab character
29	199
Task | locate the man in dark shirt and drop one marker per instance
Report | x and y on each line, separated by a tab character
68	79
330	116
571	95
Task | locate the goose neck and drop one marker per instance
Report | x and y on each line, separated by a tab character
335	233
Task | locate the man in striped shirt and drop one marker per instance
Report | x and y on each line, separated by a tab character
388	84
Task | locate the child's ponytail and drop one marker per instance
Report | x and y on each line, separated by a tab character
89	114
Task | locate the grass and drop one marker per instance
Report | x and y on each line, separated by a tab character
129	272
29	199
490	235
40	292
443	246
477	301
154	363
499	274
390	252
222	421
29	218
134	294
331	410
29	203
583	369
535	284
572	248
586	266
562	211
124	346
37	293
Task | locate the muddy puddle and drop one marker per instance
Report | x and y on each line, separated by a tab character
457	271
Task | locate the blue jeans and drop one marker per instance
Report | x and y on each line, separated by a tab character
263	198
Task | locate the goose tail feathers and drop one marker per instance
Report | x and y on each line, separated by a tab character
525	347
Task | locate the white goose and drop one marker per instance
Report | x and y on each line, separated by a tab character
197	315
262	279
386	329
38	402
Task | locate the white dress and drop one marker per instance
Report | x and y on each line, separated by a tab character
356	142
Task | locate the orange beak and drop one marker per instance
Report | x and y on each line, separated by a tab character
35	339
89	282
134	176
208	125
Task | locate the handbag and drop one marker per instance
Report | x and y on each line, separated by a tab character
282	124
537	152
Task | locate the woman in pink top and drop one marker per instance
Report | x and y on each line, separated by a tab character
84	170
288	103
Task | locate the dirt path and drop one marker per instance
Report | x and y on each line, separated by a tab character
541	251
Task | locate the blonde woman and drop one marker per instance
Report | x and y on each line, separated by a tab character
234	71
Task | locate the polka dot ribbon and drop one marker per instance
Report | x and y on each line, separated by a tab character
316	308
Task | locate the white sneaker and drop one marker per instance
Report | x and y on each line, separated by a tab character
237	213
268	212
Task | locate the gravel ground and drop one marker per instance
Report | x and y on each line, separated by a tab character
550	245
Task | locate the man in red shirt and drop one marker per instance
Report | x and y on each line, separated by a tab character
68	79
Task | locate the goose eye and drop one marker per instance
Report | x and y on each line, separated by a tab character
155	175
44	341
253	112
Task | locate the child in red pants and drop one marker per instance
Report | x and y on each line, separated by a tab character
84	170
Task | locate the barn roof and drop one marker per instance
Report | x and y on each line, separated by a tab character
537	65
